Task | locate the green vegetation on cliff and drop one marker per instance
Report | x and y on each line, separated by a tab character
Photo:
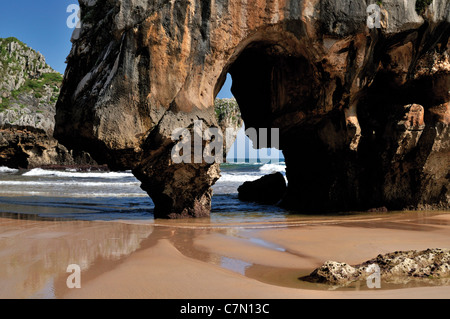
6	59
228	113
25	78
421	5
3	47
38	88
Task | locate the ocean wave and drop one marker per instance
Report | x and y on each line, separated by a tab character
4	169
67	183
238	178
273	168
231	163
109	175
103	195
76	195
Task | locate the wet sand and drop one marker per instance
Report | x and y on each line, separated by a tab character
201	259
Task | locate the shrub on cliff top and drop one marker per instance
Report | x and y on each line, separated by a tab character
227	109
421	5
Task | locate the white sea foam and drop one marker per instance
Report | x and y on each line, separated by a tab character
76	195
238	178
273	168
230	162
109	175
4	169
66	183
95	195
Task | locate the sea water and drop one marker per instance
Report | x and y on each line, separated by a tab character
117	195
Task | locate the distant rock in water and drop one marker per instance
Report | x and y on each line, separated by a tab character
29	89
269	189
230	121
400	267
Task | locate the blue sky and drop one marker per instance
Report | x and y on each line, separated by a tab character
41	25
226	89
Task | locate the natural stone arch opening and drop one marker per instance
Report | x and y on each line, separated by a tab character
269	78
276	86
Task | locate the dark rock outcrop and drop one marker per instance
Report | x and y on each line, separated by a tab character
401	267
29	147
361	111
269	189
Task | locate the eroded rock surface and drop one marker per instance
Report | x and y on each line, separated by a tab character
28	147
362	112
432	265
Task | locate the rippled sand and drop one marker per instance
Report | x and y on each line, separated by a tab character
206	259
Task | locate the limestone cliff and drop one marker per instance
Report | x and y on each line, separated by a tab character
229	118
29	89
363	113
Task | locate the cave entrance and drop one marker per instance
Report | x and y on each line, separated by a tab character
272	84
241	148
276	86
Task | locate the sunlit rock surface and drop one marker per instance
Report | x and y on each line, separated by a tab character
363	113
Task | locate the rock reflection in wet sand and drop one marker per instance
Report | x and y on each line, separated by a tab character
34	254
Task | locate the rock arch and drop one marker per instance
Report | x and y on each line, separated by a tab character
139	69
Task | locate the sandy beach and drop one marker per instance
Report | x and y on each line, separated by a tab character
200	259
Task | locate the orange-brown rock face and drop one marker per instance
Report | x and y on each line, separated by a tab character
337	90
